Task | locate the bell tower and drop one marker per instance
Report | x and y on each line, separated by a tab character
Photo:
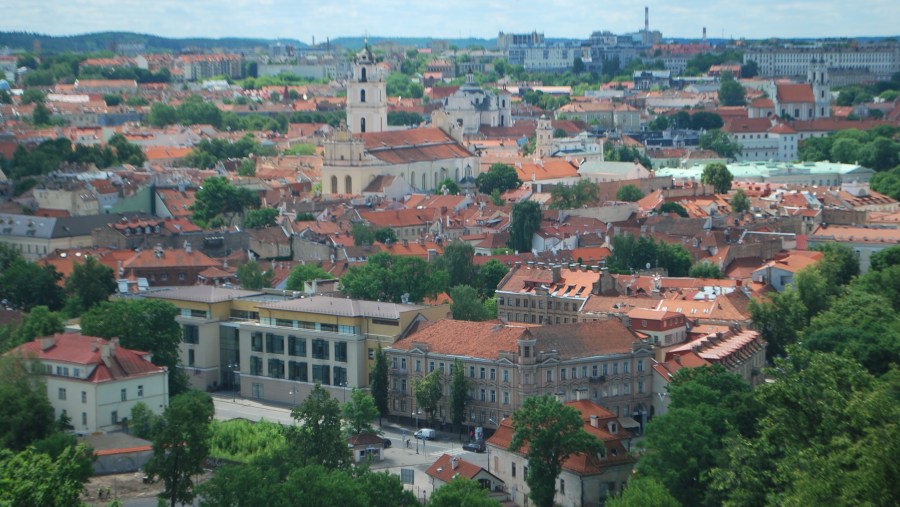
366	95
821	86
544	142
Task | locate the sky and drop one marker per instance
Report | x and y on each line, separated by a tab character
306	19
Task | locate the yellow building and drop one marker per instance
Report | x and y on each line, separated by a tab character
276	347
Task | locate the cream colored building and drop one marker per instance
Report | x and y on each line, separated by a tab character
96	382
366	95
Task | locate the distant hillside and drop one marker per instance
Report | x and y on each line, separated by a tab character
420	42
108	40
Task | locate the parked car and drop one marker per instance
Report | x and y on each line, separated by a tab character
425	434
387	443
474	446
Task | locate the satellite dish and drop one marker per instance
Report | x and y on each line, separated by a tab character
648	265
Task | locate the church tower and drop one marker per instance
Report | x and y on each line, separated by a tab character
366	95
544	138
821	86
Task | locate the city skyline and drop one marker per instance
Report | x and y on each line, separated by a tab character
576	19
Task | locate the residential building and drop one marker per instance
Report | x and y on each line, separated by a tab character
663	328
448	468
603	361
200	67
545	294
739	351
586	479
35	237
878	61
96	382
165	267
604	114
779	273
865	241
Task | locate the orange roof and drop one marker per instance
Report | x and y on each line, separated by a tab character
572	283
170	258
444	471
793	93
463	338
413	145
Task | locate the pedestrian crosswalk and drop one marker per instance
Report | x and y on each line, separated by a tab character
451	452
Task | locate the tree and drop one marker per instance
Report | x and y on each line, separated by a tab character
731	93
459	394
317	437
840	264
302	273
181	445
705	269
39	322
704	120
644	492
141	324
673	207
40	115
25	285
429	392
779	320
466	304
629	193
740	203
33	478
630	254
162	115
489	276
378	381
720	142
143	421
362	233
749	69
387	277
884	259
90	284
252	277
260	218
718	176
125	151
580	194
813	290
462	492
552	432
501	177
457	260
25	411
525	221
359	412
247	168
218	198
659	124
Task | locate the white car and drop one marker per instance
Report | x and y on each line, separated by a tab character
425	434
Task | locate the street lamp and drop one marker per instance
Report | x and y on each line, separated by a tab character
235	375
416	415
343	386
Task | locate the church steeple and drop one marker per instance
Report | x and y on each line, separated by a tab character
366	95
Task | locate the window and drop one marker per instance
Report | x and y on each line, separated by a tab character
513	469
255	365
506	397
482	395
506	375
493	374
190	334
371	354
140	391
471	372
549	375
340	352
297	346
190	357
320	349
274	343
256	342
84	396
340	376
430	366
626	388
362	95
640	387
84	418
640	365
298	371
418	365
493	396
574	373
114	417
276	368
583	371
441	367
124	395
626	367
615	368
562	375
321	373
481	373
62	393
562	487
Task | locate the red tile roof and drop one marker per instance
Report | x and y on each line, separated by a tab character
463	338
794	93
413	145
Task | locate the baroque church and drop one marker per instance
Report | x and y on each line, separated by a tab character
364	147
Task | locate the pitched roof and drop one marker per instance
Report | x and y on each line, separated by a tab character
585	339
174	257
463	338
443	469
413	145
793	93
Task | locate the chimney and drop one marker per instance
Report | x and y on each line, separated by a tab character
646	19
48	342
106	353
595	421
454	463
677	358
187	247
554	270
120	269
432	254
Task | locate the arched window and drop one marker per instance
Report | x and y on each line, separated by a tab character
456	175
424	181
362	124
362	75
362	95
334	187
348	185
412	178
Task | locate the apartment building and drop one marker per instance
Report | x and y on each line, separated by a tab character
276	346
546	294
96	382
603	361
870	60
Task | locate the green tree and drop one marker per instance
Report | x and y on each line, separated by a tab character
125	151
718	176
552	432
359	412
489	276
462	492
33	96
731	93
141	324
302	273
429	391
387	277
362	233
385	235
846	151
779	320
644	492
253	277
378	381
705	269
884	259
143	421
247	168
25	285
181	445
218	198
659	124
260	218
25	411
90	284
459	394
502	177
840	264
317	437
525	221
720	142
40	115
629	193
704	120
580	194
33	478
466	304
39	322
740	203
673	207
457	260
813	290
451	186
162	115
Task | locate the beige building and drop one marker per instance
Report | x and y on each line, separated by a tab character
366	95
602	361
276	347
547	294
471	106
35	237
76	201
